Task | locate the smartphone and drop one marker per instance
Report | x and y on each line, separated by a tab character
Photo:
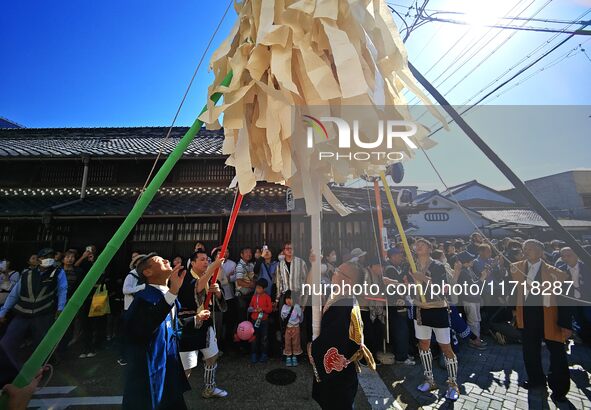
89	248
265	247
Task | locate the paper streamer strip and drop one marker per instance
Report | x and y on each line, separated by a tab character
57	330
407	251
229	230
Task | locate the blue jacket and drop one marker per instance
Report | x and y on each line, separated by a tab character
15	293
154	377
266	272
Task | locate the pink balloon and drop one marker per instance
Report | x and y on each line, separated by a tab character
245	330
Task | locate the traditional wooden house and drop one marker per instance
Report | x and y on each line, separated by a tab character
71	187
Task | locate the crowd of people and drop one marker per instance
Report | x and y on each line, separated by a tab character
259	293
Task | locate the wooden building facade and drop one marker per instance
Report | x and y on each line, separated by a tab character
68	188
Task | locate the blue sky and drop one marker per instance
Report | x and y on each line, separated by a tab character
127	63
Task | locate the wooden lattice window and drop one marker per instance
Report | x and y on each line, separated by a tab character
54	174
70	174
154	232
5	233
58	233
190	231
198	231
196	171
100	173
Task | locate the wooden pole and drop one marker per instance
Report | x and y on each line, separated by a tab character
316	241
229	230
411	261
378	194
376	188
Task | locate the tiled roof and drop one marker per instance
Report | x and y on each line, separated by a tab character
104	142
459	187
170	201
528	217
481	203
425	196
6	123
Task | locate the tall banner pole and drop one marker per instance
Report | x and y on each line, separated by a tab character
316	230
59	327
383	253
226	242
377	191
407	251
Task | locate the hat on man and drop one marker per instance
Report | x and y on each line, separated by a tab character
45	252
394	251
374	261
142	262
135	261
357	253
465	257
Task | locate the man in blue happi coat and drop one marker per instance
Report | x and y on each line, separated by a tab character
155	378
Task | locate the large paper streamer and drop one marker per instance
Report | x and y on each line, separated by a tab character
333	55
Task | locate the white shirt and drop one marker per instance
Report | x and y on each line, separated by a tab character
533	270
574	273
130	287
227	271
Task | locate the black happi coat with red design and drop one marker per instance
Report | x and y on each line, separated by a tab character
331	350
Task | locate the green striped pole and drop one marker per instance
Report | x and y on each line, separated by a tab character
62	323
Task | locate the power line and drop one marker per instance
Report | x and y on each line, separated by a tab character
497	48
467	48
554	62
585	52
512	27
420	10
401	18
519	73
517	18
165	139
525	58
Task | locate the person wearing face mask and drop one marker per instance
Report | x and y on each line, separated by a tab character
36	301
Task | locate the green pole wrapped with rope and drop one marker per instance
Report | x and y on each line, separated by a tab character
57	330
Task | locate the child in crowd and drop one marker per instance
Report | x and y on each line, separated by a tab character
291	316
259	309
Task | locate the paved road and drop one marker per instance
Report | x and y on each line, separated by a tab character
489	380
102	378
